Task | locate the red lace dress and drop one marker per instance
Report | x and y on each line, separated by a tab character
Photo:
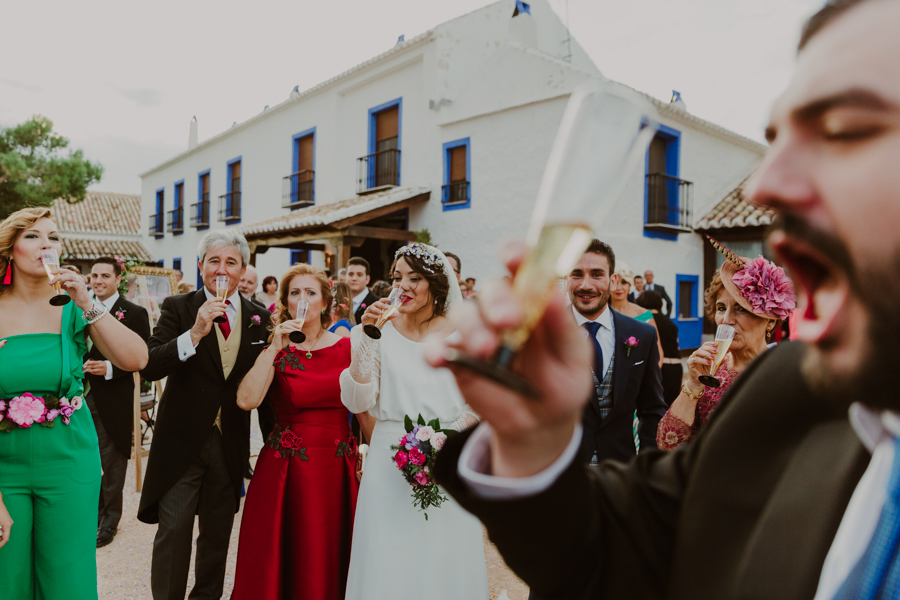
673	432
298	513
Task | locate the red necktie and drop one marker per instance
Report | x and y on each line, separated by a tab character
226	326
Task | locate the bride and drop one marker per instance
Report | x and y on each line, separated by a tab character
396	553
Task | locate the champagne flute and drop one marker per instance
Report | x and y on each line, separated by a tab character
603	138
50	260
222	282
394	302
298	337
724	336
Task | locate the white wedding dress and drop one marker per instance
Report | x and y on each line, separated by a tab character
396	553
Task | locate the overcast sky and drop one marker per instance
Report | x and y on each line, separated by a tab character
122	79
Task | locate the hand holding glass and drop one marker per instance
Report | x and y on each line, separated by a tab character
724	336
298	337
50	260
394	302
222	282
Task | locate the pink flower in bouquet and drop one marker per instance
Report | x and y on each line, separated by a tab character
51	414
290	440
438	439
76	402
2	405
65	412
26	409
421	478
416	457
424	434
401	458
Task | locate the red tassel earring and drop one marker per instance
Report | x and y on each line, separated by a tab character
7	279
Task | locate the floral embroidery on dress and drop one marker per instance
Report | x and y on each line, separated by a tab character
347	448
289	359
286	443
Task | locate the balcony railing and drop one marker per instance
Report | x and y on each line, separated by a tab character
176	220
156	225
669	203
297	189
200	212
455	193
378	170
230	207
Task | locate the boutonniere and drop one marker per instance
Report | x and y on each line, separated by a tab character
363	305
630	343
120	315
255	320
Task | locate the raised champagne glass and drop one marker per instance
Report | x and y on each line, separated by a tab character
298	337
374	331
724	336
603	138
50	260
222	282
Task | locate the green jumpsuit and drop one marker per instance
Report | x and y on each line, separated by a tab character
49	476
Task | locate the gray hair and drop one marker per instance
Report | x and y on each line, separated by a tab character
342	271
224	237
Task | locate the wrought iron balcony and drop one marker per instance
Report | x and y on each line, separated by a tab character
669	204
378	170
176	220
297	189
455	193
230	207
156	225
200	212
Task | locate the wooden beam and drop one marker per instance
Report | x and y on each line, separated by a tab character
381	233
380	212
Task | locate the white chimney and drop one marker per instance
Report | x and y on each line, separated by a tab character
192	137
523	27
676	101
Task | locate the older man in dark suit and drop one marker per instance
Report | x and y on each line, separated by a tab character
781	496
655	287
201	439
111	397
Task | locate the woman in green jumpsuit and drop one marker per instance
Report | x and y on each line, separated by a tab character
49	458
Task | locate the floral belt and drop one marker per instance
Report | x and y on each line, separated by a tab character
286	444
25	410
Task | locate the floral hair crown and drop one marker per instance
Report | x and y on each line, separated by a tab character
423	253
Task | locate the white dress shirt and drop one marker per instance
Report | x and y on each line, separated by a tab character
186	348
854	533
606	335
358	299
109	303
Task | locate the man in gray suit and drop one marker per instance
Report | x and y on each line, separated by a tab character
655	287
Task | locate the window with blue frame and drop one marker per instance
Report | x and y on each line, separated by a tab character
299	256
381	167
157	220
200	216
456	192
690	325
230	203
176	215
176	264
299	187
667	198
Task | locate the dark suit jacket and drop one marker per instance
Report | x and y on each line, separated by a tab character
115	398
637	386
195	391
747	511
665	297
370	299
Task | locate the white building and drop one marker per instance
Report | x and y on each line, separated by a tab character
450	132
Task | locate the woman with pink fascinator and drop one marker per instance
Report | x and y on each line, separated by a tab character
747	298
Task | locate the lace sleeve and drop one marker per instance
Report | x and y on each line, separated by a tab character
464	421
360	382
672	432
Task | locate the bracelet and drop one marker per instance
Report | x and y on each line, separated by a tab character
94	314
688	393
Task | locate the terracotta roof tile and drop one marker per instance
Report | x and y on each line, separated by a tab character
75	248
735	211
100	212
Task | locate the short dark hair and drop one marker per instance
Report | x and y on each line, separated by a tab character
598	247
456	258
638	277
650	300
269	279
358	260
828	13
107	260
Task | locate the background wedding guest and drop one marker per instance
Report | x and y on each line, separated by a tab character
638	288
381	289
298	514
269	293
49	459
202	438
342	275
111	397
358	278
184	287
247	285
343	316
456	264
732	298
389	378
178	275
672	370
619	301
655	287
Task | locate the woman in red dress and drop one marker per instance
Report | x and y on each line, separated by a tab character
298	513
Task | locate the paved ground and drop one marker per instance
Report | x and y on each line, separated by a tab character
124	566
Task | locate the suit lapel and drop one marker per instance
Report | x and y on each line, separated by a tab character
624	329
209	341
244	350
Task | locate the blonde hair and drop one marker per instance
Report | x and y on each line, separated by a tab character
281	305
343	302
11	228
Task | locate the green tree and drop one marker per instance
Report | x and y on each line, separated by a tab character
34	171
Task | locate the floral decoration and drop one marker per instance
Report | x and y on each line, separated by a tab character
766	287
345	448
286	443
120	315
289	359
630	343
255	321
424	253
415	454
26	410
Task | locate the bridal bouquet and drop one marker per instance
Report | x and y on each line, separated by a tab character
415	455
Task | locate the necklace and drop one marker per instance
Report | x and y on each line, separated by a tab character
310	349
